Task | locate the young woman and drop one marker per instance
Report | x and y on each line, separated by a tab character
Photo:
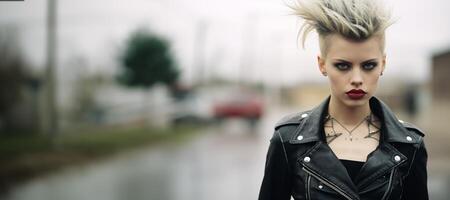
351	146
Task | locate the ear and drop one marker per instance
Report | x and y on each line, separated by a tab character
383	63
321	64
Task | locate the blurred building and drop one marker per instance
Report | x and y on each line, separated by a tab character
308	95
440	73
440	87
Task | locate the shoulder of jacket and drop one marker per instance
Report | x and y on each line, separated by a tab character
291	119
288	125
412	128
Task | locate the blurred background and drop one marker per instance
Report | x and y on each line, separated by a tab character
177	99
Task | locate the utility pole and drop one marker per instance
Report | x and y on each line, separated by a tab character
249	38
50	77
199	53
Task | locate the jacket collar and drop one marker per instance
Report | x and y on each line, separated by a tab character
392	129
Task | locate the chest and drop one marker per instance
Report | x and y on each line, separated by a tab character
354	144
353	150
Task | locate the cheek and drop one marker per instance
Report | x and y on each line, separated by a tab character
372	81
337	82
373	78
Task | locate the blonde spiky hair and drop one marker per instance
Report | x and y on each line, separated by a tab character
356	20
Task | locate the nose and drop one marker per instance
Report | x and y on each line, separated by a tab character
357	78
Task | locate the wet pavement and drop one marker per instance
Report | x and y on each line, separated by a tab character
225	163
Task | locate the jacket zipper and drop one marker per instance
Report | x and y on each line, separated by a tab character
308	185
388	191
326	182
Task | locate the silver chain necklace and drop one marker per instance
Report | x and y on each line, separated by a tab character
332	136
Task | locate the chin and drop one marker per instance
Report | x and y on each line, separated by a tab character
355	103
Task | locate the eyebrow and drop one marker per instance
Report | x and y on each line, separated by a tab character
347	62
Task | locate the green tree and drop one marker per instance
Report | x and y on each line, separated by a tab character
146	61
13	78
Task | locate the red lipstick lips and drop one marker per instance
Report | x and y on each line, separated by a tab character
356	94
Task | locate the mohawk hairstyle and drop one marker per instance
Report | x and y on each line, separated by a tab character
356	20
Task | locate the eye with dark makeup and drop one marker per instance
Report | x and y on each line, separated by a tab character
342	66
369	65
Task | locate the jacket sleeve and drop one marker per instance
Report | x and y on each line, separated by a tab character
275	184
415	186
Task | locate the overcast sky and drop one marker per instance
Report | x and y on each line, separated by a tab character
256	37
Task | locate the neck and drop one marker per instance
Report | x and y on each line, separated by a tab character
346	114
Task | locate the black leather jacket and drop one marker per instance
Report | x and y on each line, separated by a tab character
300	164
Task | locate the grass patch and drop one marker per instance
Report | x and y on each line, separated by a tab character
26	156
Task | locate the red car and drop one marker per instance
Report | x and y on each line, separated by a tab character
244	106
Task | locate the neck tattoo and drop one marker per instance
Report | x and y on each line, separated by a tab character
331	122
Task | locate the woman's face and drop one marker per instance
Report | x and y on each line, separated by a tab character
353	68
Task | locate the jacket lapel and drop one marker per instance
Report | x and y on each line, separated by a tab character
385	157
379	162
322	160
325	163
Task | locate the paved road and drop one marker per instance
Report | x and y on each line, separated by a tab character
227	163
